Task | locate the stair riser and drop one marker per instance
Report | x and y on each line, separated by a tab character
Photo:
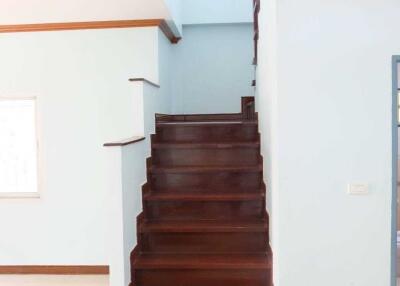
218	181
209	157
205	242
200	117
188	277
207	134
187	210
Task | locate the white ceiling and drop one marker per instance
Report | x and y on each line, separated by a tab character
47	11
175	12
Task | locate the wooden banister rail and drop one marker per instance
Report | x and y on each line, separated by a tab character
144	80
124	142
248	108
256	11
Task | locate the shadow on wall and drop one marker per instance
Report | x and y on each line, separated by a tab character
213	68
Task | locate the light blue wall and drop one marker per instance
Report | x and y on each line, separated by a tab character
175	9
220	11
213	68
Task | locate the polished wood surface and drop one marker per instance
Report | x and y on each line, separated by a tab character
248	108
92	25
55	269
125	142
207	132
204	220
164	27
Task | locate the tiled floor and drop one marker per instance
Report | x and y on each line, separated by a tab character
54	280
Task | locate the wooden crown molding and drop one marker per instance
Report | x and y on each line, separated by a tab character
55	269
161	23
165	28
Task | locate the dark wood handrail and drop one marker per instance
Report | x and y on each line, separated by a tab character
145	80
124	142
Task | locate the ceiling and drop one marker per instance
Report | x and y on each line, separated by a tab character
175	12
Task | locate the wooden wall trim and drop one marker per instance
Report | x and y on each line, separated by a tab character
55	269
165	28
124	142
145	80
161	23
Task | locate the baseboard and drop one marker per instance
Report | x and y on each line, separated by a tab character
55	269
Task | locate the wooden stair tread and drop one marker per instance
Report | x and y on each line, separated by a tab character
187	196
204	226
218	190
205	169
204	220
206	145
203	261
206	123
199	117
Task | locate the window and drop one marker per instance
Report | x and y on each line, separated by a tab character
18	147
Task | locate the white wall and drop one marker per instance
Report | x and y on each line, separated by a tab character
267	106
133	169
213	68
84	100
330	125
50	11
175	14
213	12
132	165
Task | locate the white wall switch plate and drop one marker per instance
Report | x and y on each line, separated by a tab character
357	189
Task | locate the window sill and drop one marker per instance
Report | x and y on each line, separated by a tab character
19	195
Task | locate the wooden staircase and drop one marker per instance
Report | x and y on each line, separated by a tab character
204	221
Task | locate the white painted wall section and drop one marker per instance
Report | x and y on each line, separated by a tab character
329	83
128	172
50	11
267	99
175	15
84	100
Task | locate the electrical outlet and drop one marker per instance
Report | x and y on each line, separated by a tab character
357	189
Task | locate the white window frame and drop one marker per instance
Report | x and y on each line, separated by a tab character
33	195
